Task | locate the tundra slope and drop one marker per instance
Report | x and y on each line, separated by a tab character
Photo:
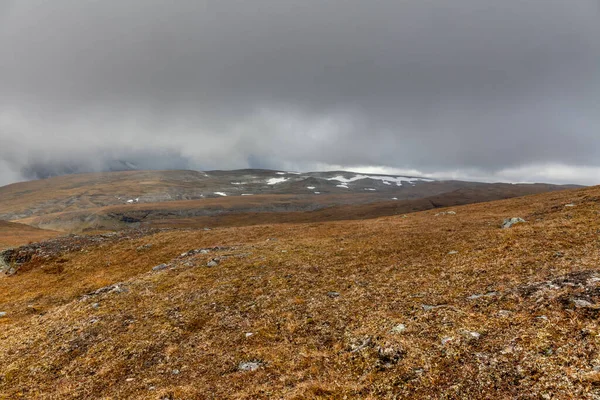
88	191
118	200
422	306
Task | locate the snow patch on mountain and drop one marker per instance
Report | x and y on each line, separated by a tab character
221	194
396	179
275	181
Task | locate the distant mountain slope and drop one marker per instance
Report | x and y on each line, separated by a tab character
13	234
72	193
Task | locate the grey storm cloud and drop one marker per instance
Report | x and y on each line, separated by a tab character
466	88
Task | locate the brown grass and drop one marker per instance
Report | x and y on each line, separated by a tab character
13	234
180	333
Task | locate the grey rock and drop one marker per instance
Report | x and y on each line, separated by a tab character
333	294
580	303
160	267
399	328
472	335
95	306
446	340
512	221
213	263
478	296
249	365
453	252
3	314
175	372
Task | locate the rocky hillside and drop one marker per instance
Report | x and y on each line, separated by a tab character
442	303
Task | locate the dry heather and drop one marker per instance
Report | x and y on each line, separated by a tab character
423	306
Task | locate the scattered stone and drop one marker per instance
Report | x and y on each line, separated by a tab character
213	263
580	303
426	307
144	247
389	356
570	205
3	314
248	334
116	288
453	252
512	221
445	213
95	306
152	388
399	328
365	343
542	317
129	379
249	365
333	294
471	334
446	340
160	267
478	296
175	372
504	313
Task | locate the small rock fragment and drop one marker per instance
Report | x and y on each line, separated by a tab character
213	263
580	303
249	366
95	306
453	252
2	314
446	339
160	267
471	334
512	221
570	205
248	334
333	294
175	372
399	328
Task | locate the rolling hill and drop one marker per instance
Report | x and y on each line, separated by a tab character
117	200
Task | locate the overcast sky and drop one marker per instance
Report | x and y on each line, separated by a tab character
501	90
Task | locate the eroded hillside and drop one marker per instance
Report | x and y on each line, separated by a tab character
434	304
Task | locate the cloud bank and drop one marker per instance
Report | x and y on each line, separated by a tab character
468	89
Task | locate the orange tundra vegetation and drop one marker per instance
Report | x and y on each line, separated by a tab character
417	306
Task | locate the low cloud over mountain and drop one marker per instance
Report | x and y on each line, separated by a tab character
504	90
